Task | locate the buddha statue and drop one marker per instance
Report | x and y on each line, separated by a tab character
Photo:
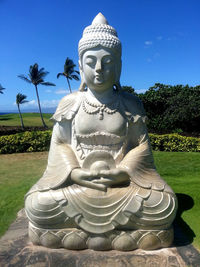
100	189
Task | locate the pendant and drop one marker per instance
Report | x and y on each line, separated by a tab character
101	113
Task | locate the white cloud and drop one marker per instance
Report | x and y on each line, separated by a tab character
61	92
44	104
50	103
31	103
148	42
48	91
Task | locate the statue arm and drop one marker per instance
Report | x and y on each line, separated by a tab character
61	160
138	162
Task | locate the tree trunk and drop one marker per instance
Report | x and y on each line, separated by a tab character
40	107
22	123
69	86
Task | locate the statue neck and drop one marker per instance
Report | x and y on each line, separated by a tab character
103	97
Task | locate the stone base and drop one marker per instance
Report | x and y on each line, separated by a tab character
16	250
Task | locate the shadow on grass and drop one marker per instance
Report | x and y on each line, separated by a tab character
183	234
5	119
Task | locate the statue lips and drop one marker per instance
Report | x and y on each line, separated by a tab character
99	79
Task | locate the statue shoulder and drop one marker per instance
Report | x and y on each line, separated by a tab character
133	105
68	106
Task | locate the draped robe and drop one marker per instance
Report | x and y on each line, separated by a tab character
55	202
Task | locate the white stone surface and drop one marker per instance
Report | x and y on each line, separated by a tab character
101	188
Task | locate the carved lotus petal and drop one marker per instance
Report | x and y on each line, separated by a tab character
74	241
124	242
99	243
136	235
149	241
34	237
50	240
166	237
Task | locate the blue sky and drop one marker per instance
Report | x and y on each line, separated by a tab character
160	42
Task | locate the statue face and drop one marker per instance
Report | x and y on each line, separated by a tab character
98	68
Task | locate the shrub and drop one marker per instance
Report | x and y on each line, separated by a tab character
25	142
174	143
40	141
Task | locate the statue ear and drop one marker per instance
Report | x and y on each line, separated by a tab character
83	84
119	68
80	68
118	74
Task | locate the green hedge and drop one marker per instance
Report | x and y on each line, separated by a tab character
40	140
25	142
174	143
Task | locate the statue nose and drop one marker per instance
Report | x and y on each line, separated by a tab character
98	67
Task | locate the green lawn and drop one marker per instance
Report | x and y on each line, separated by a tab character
19	171
181	170
30	119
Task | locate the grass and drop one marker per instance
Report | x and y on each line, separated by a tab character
30	119
19	172
181	170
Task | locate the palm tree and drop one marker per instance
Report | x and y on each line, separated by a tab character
69	72
1	89
36	76
20	99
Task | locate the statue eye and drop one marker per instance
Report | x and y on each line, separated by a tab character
90	61
107	60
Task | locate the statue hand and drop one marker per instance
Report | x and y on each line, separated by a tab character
84	177
113	177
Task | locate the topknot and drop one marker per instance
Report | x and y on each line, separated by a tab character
99	33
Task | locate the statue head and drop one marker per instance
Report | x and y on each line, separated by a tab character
99	56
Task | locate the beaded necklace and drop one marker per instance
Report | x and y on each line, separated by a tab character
98	108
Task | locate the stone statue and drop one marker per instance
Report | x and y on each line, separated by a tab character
100	189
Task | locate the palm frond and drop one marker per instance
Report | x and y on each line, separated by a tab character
69	62
60	74
20	98
38	81
69	66
47	84
33	72
78	72
75	77
36	76
69	71
1	89
23	77
42	73
42	70
24	101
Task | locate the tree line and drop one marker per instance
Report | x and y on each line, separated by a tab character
171	108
